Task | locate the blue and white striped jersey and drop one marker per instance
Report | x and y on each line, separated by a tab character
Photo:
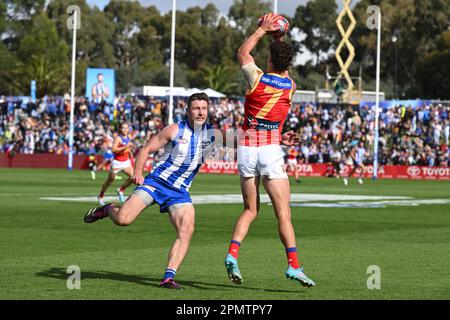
359	157
184	156
100	91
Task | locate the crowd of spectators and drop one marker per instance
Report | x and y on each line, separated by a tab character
407	136
43	126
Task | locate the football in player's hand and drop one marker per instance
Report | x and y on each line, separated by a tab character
281	26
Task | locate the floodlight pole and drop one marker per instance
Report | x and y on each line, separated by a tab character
172	60
377	99
275	6
72	94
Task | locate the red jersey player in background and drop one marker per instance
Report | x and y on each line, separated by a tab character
259	152
292	155
121	149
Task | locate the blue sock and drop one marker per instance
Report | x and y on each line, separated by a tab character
170	273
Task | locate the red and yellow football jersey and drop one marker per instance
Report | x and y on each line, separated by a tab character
266	109
123	155
293	153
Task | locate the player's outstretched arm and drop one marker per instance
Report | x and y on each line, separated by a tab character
152	145
267	25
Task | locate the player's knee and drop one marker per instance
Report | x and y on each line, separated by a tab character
123	220
284	215
251	212
283	211
186	231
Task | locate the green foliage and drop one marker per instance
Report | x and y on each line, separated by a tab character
317	21
310	81
220	78
8	81
94	39
2	16
42	56
126	17
434	70
135	40
16	19
245	13
417	26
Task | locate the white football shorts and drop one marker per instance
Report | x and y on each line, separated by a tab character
261	161
292	162
117	166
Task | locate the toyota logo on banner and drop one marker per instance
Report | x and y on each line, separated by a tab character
413	171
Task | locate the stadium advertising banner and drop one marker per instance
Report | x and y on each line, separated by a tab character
220	167
322	170
100	85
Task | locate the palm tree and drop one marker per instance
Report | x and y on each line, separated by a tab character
220	78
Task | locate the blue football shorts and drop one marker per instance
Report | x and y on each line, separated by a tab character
166	196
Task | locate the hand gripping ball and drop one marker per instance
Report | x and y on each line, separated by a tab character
282	25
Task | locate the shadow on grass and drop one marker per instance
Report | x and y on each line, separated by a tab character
60	273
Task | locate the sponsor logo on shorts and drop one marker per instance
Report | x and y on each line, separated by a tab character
152	189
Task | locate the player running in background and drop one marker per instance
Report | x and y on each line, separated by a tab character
336	160
357	155
259	153
108	155
121	148
292	155
187	144
92	163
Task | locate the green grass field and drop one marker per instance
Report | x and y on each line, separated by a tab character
41	238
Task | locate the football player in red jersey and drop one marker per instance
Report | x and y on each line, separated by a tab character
121	148
259	153
292	155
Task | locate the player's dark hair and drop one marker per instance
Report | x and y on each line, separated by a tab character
123	123
198	96
281	54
